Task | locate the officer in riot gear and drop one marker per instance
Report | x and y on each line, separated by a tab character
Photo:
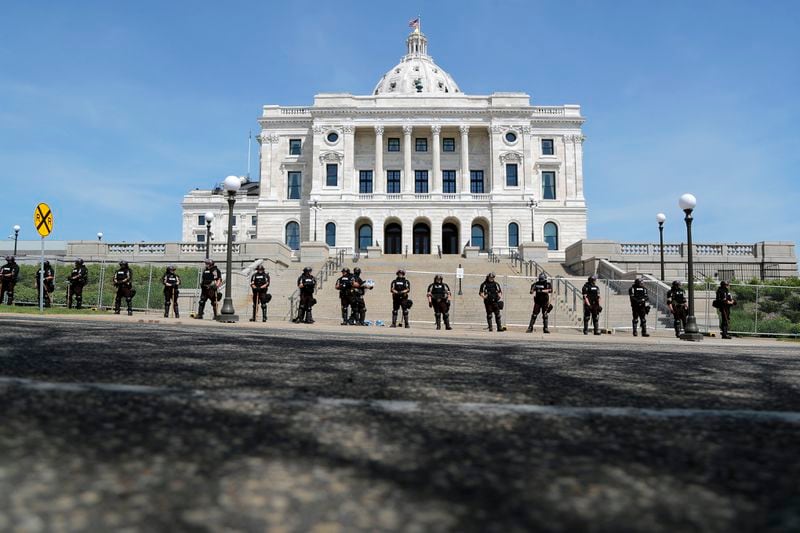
591	305
345	287
723	303
78	278
210	281
9	273
49	283
171	282
358	306
678	305
439	299
400	290
541	290
639	306
259	284
492	295
306	283
123	281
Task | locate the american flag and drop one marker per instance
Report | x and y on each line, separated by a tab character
413	23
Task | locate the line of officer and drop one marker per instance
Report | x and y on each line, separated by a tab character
210	281
306	283
259	284
358	306
439	299
344	284
123	281
171	281
541	290
723	302
77	279
591	305
492	295
9	273
639	306
49	283
400	289
676	301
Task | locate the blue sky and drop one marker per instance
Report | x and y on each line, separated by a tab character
111	111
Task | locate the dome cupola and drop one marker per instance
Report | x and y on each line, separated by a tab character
416	73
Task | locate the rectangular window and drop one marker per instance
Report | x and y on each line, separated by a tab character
294	146
234	220
294	186
421	181
511	175
331	175
392	181
547	147
201	238
421	145
476	181
549	185
448	144
201	220
365	181
233	238
393	144
448	181
254	220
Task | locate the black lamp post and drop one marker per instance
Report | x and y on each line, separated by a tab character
661	217
315	208
688	202
532	204
227	314
209	216
16	236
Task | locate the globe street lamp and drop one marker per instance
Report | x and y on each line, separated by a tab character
532	204
688	202
16	236
209	219
660	218
231	186
99	235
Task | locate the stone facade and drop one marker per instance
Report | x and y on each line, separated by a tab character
343	150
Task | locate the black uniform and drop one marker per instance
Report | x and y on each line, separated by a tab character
259	283
208	289
49	285
639	308
123	281
306	283
345	287
676	300
541	290
591	307
723	303
171	283
358	305
8	279
400	288
492	295
76	281
439	294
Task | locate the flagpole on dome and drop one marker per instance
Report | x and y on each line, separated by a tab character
419	23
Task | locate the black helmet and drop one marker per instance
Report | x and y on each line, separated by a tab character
123	263
79	261
306	269
592	278
438	277
638	282
9	258
723	282
345	270
490	275
260	266
401	272
171	268
209	262
47	263
542	277
357	271
676	283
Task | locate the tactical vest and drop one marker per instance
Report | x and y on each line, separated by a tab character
438	291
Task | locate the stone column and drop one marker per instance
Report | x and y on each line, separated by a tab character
408	174
569	168
529	161
377	178
464	158
436	179
579	166
348	165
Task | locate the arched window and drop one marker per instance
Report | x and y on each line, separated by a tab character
330	234
551	236
513	234
293	235
364	237
478	237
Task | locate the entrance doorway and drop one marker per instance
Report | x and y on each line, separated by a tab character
393	239
422	238
449	238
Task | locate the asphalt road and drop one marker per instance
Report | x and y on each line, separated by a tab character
153	427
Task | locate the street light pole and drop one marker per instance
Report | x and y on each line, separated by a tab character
315	207
209	216
688	202
16	236
227	314
532	204
661	217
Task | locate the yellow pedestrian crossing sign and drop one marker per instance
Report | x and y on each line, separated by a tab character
43	219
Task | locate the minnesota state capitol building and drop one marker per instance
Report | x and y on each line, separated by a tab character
416	167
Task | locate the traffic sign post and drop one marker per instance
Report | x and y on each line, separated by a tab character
43	221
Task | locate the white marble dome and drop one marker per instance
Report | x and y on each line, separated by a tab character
416	73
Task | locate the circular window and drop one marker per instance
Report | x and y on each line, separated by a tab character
511	137
333	137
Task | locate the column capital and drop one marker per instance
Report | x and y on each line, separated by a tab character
464	129
407	129
348	128
378	130
436	129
